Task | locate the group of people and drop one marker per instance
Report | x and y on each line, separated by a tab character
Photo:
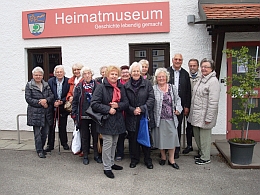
126	94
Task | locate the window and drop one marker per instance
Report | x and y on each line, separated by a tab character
46	58
158	55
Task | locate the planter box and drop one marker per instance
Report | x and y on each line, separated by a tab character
241	153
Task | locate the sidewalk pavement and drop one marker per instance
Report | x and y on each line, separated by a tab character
10	140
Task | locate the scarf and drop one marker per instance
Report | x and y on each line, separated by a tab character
116	93
136	84
88	87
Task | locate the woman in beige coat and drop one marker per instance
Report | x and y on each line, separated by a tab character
204	109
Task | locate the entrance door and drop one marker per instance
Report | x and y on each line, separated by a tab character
46	58
158	55
232	103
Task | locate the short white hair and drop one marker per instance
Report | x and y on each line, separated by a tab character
37	69
58	66
85	69
158	71
135	64
143	61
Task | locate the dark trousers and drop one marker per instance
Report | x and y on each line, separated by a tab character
61	121
120	147
189	133
180	118
40	135
88	126
135	147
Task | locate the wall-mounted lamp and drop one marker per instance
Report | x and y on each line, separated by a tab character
191	19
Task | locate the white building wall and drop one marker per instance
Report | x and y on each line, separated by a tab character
192	41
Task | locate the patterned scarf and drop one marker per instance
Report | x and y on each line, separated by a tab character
88	87
116	92
136	84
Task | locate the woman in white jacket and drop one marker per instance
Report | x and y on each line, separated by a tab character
204	109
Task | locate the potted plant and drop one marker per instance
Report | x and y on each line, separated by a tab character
243	88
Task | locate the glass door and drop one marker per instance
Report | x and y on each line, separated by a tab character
232	103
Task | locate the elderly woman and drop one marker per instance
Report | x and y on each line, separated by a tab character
102	70
145	68
167	106
125	76
204	109
74	80
39	97
141	97
82	96
110	98
60	87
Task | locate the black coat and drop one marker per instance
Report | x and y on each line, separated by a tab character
102	96
144	96
184	88
78	101
36	113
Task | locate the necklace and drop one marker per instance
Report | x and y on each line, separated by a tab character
163	88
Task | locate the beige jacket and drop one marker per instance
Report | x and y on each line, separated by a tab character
204	102
195	80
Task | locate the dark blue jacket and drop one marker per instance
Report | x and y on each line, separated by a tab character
65	89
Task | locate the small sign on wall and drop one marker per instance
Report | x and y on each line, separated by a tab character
97	20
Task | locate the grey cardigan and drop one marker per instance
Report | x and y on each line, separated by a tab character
176	102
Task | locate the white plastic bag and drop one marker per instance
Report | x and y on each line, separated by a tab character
76	141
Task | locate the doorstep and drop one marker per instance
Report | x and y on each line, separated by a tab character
223	148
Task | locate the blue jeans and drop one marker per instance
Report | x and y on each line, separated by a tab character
40	135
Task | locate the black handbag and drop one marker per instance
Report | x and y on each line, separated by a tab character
98	117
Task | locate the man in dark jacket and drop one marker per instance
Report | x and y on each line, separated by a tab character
59	86
181	79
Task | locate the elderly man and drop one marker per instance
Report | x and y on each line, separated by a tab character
180	78
195	76
60	87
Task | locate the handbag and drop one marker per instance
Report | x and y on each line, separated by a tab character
76	141
98	117
143	136
68	106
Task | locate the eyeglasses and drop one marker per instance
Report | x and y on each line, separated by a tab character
204	67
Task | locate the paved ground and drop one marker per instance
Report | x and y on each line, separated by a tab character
22	172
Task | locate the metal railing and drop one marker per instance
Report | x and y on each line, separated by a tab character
18	128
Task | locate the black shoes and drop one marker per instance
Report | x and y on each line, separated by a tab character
149	165
109	174
41	155
162	162
176	156
85	160
174	165
197	157
117	167
48	149
133	165
202	162
66	147
98	159
187	150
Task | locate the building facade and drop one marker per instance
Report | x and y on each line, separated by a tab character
156	38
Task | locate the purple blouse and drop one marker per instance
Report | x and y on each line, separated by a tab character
167	106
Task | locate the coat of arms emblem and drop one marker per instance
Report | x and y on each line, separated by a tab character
36	22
